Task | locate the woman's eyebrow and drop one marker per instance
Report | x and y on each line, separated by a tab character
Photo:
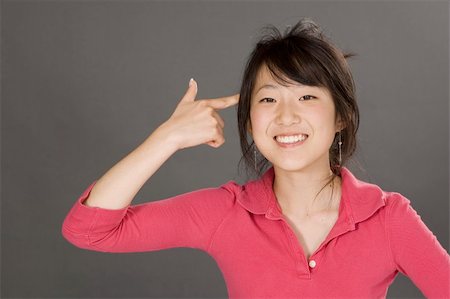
270	86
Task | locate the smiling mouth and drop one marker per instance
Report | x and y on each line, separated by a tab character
290	139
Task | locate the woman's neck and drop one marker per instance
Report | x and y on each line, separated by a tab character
296	191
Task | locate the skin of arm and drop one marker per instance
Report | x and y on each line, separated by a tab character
120	184
192	123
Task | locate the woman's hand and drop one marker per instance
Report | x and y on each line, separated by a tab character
197	122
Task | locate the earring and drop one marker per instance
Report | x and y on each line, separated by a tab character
254	152
340	149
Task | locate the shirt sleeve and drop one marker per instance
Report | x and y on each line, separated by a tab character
416	251
185	220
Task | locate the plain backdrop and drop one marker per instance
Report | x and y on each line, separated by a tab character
85	82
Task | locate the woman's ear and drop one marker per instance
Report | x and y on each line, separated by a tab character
339	124
249	127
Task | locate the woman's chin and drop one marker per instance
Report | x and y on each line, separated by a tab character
287	166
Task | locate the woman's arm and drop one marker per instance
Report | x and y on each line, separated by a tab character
192	123
185	220
416	250
102	218
117	187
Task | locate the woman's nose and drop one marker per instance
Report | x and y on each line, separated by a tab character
287	114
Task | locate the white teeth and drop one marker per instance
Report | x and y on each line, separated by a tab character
291	139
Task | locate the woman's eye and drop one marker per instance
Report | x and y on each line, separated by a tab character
307	97
270	100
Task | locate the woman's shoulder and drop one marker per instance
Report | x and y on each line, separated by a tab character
366	197
232	187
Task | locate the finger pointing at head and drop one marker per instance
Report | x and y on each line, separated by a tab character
224	102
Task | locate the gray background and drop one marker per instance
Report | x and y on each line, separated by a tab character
85	82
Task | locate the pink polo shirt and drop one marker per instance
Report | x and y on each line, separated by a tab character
377	234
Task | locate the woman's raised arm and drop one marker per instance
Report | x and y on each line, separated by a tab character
103	219
192	123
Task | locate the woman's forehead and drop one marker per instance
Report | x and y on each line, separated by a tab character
266	81
264	75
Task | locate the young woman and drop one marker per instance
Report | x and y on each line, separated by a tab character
306	227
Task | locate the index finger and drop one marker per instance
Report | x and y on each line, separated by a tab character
223	102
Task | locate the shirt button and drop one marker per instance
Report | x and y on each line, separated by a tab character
312	263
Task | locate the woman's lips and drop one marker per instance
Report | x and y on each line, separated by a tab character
291	140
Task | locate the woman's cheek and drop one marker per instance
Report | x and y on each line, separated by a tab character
259	121
321	115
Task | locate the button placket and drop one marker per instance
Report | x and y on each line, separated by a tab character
295	245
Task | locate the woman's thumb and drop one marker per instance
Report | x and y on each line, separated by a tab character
191	92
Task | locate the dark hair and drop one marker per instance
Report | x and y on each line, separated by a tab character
305	55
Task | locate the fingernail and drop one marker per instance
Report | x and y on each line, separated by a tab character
191	81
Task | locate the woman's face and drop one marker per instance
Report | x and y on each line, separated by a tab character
296	111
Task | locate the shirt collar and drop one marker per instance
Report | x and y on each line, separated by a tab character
359	199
